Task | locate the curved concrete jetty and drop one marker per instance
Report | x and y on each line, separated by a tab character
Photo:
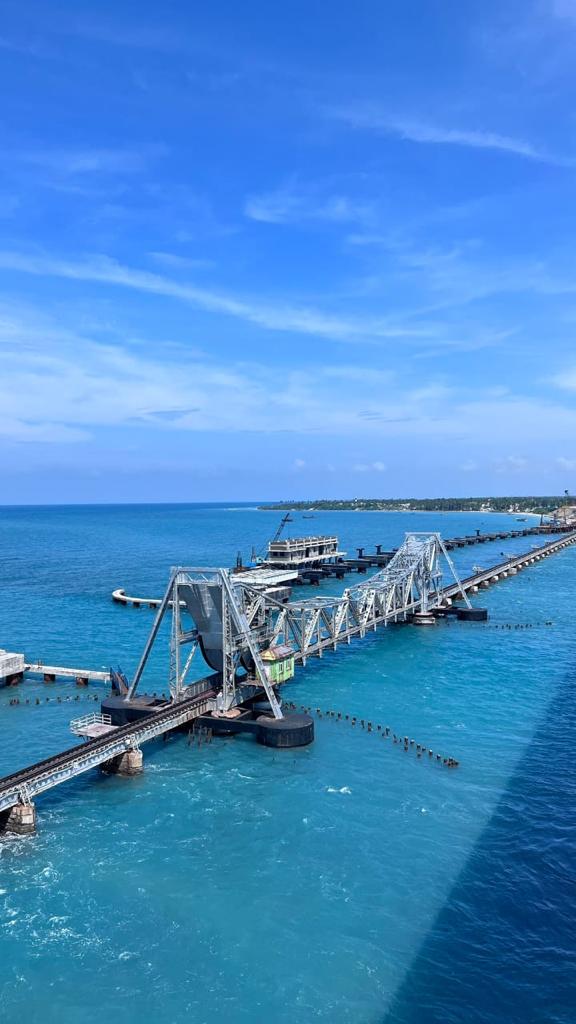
121	597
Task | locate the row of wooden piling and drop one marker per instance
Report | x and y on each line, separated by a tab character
36	701
405	743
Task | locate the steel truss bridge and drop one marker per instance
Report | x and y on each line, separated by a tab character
234	620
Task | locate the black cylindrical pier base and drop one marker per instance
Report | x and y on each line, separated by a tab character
290	731
473	614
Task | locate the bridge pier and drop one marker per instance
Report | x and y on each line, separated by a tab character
128	763
19	820
423	619
295	730
472	614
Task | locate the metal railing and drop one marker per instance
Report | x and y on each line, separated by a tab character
78	725
23	785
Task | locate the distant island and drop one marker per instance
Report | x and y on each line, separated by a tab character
535	505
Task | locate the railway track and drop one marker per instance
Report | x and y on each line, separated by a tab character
28	782
23	785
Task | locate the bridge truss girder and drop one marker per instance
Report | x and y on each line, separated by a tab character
239	620
411	582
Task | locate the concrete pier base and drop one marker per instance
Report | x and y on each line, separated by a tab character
423	619
294	730
472	614
129	763
19	820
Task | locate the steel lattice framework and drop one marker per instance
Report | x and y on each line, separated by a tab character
236	620
411	582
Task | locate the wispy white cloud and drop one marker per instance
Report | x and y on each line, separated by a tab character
177	262
511	464
452	276
138	36
564	463
276	318
565	380
28	47
79	162
367	375
437	135
565	9
374	119
369	467
291	205
75	385
18	430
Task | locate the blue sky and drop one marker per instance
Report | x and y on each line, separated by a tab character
289	250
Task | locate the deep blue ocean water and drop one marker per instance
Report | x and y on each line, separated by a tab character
345	882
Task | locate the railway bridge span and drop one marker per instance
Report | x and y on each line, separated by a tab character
236	626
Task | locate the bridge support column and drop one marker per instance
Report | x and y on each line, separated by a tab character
423	619
485	584
19	820
128	763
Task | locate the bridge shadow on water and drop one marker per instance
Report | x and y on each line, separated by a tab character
503	948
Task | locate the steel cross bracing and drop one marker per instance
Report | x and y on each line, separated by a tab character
219	607
411	582
239	639
235	621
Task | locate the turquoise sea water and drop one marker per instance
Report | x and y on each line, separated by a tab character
346	882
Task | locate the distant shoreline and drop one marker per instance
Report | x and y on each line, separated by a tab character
534	505
406	511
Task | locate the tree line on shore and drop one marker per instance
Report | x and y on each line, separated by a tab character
535	504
